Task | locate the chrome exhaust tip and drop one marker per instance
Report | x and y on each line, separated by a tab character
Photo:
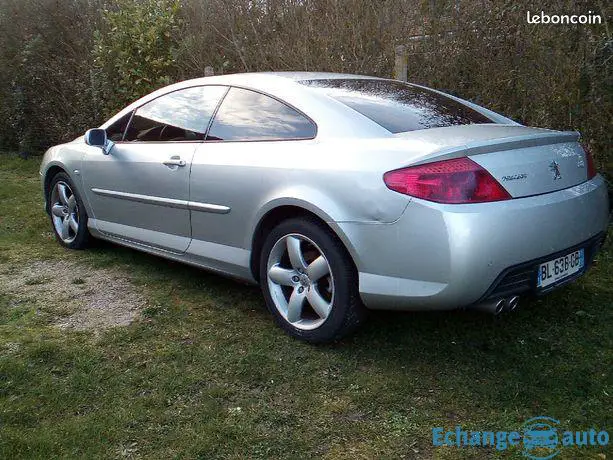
513	303
494	307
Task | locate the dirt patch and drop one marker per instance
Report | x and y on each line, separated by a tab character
75	296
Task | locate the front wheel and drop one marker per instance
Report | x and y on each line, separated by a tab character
67	213
309	282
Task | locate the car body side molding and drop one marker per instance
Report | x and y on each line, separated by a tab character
160	201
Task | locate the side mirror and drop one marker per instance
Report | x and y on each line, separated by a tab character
97	138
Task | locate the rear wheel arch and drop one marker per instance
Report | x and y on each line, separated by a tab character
273	218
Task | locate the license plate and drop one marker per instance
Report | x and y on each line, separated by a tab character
559	268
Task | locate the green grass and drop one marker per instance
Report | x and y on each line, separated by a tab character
205	373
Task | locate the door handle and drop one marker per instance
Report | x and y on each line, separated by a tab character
175	161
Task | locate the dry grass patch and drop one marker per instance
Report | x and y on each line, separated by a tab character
73	295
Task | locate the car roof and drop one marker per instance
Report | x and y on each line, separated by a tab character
326	112
267	80
332	117
301	76
288	75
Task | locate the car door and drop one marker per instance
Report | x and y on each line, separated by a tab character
140	191
249	146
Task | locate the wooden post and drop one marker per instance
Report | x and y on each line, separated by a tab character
401	64
208	71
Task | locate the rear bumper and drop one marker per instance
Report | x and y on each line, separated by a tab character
441	257
521	279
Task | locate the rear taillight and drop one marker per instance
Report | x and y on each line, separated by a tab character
591	167
460	180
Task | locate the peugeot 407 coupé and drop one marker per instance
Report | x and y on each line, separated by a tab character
336	193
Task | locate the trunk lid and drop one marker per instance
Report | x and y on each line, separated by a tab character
526	161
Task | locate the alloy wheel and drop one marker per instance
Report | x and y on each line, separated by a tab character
300	281
64	212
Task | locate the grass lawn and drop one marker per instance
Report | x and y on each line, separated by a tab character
204	373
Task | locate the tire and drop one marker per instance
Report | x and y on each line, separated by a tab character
312	293
67	213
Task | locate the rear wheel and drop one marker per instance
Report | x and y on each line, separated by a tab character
67	213
309	282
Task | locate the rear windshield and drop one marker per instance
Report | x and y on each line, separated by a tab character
397	106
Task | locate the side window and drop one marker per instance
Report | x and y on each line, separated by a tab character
178	116
116	130
249	116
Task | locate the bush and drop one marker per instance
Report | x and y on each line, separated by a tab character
66	66
135	52
45	59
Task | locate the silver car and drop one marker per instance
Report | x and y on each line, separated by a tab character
336	193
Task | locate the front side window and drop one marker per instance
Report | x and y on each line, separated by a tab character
246	115
182	115
116	130
396	106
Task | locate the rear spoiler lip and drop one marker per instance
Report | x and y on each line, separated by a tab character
496	145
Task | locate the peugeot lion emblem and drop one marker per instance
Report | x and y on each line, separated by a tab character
554	167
